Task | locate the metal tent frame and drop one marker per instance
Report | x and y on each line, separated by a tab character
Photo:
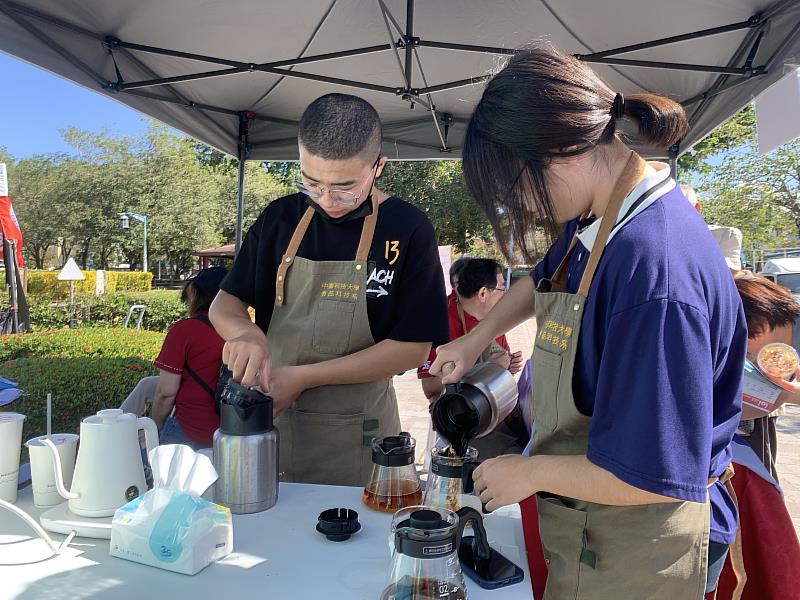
404	44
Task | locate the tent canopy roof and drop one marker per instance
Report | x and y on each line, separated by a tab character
216	70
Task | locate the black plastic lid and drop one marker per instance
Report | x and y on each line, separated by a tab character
424	534
338	524
393	451
244	411
460	414
426	519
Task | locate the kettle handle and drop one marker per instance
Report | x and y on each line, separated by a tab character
59	474
150	433
480	543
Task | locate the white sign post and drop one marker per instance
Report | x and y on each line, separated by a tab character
3	180
71	273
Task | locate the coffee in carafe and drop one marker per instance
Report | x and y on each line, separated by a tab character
425	562
450	483
394	483
411	588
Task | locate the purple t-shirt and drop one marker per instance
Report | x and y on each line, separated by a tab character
660	355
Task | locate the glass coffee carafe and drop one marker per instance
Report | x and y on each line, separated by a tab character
450	482
394	483
425	564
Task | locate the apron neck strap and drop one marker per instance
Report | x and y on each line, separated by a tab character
627	180
557	280
364	244
368	230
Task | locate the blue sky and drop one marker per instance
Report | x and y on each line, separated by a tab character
35	105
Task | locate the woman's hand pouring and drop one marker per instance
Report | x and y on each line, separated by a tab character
462	353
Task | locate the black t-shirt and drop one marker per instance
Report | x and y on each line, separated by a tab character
405	286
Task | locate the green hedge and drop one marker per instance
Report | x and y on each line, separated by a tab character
128	281
46	283
163	308
85	370
86	342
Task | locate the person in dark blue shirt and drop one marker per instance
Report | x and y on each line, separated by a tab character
641	338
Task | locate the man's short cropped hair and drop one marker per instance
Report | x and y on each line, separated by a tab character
478	273
340	126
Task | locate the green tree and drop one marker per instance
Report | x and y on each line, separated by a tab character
738	131
261	187
34	191
178	195
103	179
738	187
438	189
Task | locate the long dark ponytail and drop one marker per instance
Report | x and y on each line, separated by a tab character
542	102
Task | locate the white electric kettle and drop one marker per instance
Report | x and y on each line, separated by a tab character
108	470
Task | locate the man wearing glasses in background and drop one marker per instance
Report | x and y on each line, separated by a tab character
347	289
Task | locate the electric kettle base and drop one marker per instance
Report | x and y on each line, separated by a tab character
60	519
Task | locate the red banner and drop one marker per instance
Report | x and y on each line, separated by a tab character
9	227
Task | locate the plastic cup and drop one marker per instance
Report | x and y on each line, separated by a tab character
10	447
43	472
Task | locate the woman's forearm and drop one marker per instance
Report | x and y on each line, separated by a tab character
574	476
162	407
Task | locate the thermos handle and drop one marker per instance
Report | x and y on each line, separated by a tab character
150	433
480	543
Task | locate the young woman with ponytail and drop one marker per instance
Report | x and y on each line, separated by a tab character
641	336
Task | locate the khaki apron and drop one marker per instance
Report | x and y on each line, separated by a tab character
655	551
320	314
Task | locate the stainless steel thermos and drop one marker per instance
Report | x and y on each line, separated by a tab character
246	451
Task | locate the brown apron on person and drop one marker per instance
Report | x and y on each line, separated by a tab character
320	314
654	551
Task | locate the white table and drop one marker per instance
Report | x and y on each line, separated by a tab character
277	555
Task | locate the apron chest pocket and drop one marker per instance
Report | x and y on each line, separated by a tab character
546	375
332	326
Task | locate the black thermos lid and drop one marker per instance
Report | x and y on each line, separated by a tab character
244	411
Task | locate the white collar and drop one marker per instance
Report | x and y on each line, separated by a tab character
588	235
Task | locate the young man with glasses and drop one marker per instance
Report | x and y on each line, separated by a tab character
348	291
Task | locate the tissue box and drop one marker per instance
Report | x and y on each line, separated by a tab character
758	391
172	530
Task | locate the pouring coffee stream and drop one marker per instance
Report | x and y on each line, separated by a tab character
473	406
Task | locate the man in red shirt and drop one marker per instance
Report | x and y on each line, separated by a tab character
182	395
478	285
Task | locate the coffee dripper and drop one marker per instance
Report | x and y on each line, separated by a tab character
425	563
394	483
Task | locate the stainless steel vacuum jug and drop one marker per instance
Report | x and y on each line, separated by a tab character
246	451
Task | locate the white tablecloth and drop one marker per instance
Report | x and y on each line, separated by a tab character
277	555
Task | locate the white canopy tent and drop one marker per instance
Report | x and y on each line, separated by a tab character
237	74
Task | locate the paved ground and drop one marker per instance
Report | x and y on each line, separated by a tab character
414	415
789	461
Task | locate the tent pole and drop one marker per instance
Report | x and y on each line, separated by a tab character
409	40
244	150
